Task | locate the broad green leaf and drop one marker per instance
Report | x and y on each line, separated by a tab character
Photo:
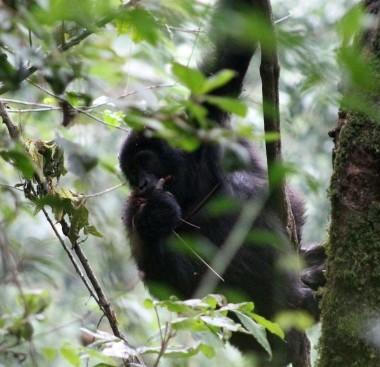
243	307
228	104
190	77
189	324
148	303
349	25
221	322
71	354
50	353
106	360
207	350
22	329
269	325
93	231
215	300
79	220
217	80
20	161
298	319
35	301
181	352
256	330
172	352
197	112
59	205
140	24
113	118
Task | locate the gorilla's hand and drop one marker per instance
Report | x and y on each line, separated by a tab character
156	215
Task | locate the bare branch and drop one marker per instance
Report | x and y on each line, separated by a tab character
86	196
70	255
12	129
270	72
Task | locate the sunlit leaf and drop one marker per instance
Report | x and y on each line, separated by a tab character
71	354
140	24
20	161
217	80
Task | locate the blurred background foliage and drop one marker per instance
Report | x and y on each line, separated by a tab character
120	67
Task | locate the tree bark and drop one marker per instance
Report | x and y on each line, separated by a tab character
351	301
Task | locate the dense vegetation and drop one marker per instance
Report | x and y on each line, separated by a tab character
74	79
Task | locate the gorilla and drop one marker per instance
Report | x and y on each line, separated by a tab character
173	193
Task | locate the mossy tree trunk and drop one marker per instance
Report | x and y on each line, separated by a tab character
351	302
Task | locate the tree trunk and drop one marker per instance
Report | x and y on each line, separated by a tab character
351	302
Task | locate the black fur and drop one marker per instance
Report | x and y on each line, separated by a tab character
170	185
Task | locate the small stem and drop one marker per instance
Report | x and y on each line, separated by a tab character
12	129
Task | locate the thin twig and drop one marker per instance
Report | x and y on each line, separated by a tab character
197	34
31	110
17	101
102	300
79	110
231	245
106	191
69	254
210	268
169	334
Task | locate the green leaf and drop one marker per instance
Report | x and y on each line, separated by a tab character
231	105
256	330
217	80
190	77
71	354
49	353
60	206
221	322
181	352
22	329
148	303
113	118
189	324
269	325
140	25
20	160
35	301
207	350
350	24
298	319
214	300
78	221
93	231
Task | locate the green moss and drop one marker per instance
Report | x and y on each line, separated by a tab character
351	298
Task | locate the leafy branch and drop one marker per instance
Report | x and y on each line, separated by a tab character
24	73
78	221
